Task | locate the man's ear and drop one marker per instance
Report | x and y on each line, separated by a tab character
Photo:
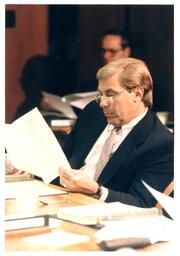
138	93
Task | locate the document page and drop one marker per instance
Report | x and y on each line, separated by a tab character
165	201
32	146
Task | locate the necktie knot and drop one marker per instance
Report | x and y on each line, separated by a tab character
117	129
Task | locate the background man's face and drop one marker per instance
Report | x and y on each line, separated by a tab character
111	48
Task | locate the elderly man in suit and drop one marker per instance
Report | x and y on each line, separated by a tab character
118	141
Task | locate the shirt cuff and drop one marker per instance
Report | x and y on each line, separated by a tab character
104	194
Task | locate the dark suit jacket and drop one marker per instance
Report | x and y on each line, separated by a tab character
145	154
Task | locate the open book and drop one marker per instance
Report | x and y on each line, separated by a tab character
93	214
32	146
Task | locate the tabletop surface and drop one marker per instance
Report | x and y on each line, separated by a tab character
14	239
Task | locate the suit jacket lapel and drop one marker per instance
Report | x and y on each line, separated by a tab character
128	147
92	135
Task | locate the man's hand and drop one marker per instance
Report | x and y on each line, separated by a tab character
10	168
77	181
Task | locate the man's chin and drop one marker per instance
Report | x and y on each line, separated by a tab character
111	120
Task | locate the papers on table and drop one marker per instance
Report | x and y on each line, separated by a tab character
62	122
72	98
64	104
93	214
13	189
58	104
165	201
57	239
32	146
155	228
82	99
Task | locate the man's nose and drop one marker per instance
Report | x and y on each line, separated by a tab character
106	57
103	102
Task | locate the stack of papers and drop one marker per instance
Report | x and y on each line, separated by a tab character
64	104
80	100
93	214
58	104
156	228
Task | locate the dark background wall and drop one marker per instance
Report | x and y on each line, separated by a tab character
26	35
71	35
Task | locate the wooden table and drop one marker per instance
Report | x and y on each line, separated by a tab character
14	239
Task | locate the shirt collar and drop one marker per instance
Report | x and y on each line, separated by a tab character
130	125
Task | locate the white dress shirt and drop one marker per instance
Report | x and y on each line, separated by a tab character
94	154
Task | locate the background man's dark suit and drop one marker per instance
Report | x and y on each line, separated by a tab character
145	154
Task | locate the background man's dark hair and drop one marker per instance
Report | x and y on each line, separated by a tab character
126	42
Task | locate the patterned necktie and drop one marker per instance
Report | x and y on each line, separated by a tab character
105	153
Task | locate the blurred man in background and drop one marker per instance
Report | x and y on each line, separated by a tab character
115	44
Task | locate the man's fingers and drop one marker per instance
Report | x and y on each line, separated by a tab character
63	177
66	174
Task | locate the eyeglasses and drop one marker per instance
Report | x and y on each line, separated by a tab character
108	98
111	51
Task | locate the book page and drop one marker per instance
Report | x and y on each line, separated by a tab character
32	146
165	201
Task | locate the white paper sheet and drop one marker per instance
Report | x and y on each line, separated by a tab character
13	189
32	146
62	122
165	201
91	214
57	239
156	228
